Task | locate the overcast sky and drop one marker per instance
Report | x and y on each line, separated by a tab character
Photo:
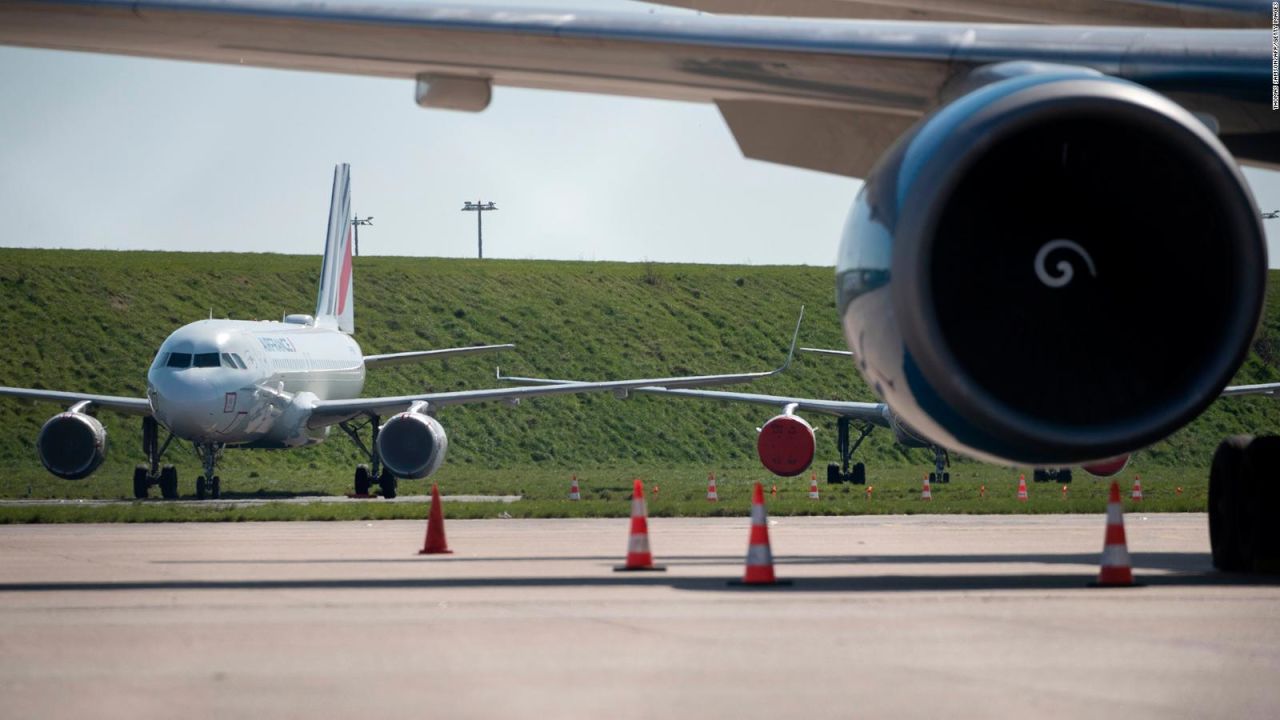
121	153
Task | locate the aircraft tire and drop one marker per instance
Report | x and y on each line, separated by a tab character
859	474
1263	458
833	474
169	482
1064	475
202	489
141	483
215	487
946	478
1227	480
387	482
362	480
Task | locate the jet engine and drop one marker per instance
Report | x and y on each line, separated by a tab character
72	445
786	445
412	444
1054	268
1107	468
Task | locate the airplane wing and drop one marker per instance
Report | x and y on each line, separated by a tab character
825	351
827	95
1272	389
126	405
329	412
375	361
1173	13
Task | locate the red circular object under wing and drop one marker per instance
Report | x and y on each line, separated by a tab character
1106	468
786	445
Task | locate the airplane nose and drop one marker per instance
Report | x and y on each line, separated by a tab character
187	404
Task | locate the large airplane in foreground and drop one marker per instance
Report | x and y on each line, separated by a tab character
266	384
1011	170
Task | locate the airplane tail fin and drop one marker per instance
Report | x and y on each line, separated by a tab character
335	304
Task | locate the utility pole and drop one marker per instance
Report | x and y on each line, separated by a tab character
356	222
479	210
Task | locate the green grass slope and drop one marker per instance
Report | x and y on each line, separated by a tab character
91	321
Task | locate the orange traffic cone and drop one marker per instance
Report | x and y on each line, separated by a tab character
1064	492
982	492
775	490
926	493
759	569
1022	487
870	489
1115	554
813	486
574	494
435	544
712	495
638	555
1136	494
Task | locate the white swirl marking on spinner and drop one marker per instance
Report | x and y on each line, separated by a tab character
1065	269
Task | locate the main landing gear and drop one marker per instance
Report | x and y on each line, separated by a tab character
374	472
941	461
153	473
841	472
1061	475
1242	497
209	484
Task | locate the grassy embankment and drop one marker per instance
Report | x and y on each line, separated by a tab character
91	321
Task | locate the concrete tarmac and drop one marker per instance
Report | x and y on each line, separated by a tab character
920	616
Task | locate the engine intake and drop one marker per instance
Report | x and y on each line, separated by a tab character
72	445
412	445
785	445
1056	268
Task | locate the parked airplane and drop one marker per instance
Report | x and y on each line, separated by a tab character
1010	175
266	384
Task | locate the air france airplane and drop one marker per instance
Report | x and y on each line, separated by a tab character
266	384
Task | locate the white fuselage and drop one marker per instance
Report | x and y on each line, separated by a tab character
228	381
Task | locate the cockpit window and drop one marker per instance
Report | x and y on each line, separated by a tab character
206	360
227	362
236	357
179	360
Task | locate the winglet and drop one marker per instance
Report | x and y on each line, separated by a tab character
795	337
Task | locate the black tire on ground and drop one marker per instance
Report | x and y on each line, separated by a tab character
1064	475
933	478
1040	476
202	489
388	483
1262	554
215	487
169	482
946	478
833	474
859	475
362	480
1227	503
140	482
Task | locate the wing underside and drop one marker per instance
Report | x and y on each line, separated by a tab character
828	95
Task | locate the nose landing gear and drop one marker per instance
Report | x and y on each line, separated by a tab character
209	484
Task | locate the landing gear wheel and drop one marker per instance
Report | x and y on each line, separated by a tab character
202	490
946	478
1040	476
933	478
859	474
169	482
215	487
1064	475
141	483
1227	512
362	480
833	474
388	484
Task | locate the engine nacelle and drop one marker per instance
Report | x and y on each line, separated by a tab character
1107	468
1057	267
72	445
412	445
786	445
